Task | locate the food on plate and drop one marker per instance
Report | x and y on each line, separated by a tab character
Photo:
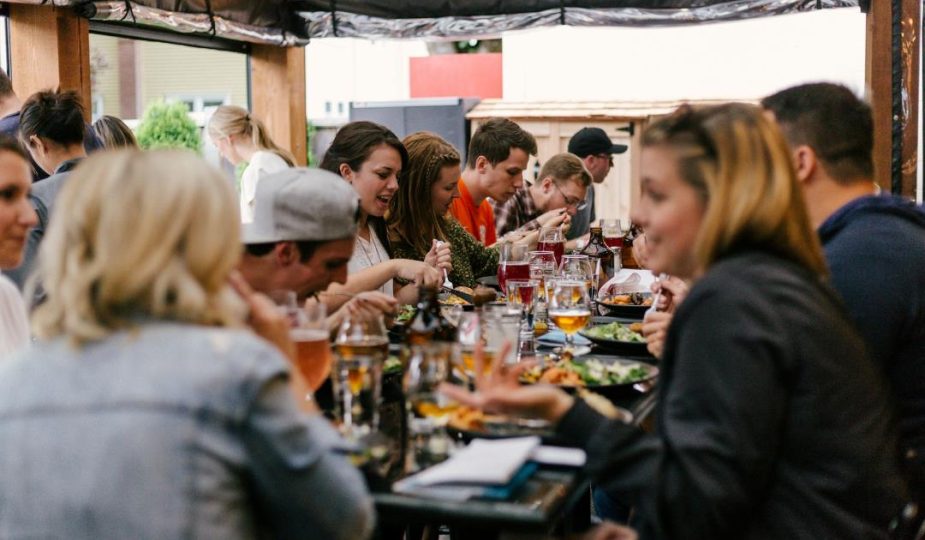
405	314
483	295
632	299
467	419
451	299
590	372
392	365
617	331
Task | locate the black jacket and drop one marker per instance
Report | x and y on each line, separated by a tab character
772	421
875	247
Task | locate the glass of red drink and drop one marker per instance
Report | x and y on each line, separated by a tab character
552	240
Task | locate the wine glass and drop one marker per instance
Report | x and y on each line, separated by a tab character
512	263
578	268
552	239
569	308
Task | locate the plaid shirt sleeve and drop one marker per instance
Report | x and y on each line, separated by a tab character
508	215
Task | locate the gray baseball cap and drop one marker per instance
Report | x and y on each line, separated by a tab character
302	204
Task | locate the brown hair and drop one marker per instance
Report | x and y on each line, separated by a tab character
832	121
53	115
565	167
495	138
6	85
411	217
114	133
354	143
228	120
740	164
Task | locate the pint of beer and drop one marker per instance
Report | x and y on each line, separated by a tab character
313	354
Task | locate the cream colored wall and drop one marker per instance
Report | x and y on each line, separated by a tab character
169	70
107	78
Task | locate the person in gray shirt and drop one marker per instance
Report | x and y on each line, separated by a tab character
148	409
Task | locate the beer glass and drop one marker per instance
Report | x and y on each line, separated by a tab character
312	344
569	308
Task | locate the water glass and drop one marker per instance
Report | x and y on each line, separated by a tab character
428	409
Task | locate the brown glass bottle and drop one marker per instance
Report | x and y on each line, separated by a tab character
597	251
428	323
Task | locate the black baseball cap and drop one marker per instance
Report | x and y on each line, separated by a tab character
592	140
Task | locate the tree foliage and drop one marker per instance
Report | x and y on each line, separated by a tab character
168	125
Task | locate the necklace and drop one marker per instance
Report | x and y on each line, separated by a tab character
372	242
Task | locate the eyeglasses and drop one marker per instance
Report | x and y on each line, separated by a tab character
608	157
577	204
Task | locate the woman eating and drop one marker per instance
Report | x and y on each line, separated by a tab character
147	408
772	420
419	213
370	157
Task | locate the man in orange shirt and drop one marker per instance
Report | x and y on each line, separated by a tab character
498	154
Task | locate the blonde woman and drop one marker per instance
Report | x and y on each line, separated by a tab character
241	138
114	133
772	421
147	406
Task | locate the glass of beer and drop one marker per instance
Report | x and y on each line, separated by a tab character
569	308
362	346
312	344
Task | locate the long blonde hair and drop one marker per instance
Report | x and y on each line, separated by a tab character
740	163
229	120
139	234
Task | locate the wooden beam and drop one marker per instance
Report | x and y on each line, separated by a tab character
910	47
278	95
50	48
879	80
896	159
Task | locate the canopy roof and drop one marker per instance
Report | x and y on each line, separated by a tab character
294	22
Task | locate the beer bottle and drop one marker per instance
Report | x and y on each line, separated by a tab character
428	323
601	256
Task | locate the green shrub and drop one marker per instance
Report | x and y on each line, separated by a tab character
168	125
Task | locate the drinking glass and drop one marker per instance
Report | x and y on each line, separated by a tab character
613	233
542	267
312	345
468	337
569	308
512	263
362	346
429	409
579	268
552	239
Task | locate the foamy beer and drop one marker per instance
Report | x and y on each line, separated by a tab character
313	354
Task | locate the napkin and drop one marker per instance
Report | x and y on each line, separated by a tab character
468	473
554	338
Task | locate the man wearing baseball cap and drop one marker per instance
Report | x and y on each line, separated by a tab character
596	150
305	223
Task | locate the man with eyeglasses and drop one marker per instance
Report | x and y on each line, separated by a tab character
557	195
596	150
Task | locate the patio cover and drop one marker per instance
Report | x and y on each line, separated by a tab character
294	22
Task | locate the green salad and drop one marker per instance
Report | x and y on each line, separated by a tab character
405	314
616	331
595	372
392	365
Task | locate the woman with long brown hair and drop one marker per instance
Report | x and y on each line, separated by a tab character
419	216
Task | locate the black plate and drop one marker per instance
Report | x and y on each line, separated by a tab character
444	295
615	392
614	345
489	281
630	311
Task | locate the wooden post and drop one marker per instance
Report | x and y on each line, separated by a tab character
50	48
895	127
278	95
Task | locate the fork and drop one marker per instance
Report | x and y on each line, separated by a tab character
446	279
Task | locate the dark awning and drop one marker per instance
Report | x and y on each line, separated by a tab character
295	22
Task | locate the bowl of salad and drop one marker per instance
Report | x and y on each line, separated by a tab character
617	335
610	376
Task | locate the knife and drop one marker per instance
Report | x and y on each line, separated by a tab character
465	296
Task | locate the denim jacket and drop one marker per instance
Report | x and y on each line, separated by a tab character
168	431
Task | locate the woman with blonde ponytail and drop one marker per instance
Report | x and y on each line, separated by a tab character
241	138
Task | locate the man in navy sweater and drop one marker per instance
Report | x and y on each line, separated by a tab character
874	244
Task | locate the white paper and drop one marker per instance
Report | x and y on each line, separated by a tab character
558	455
483	462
